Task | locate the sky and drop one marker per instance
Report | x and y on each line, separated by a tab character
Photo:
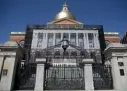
15	15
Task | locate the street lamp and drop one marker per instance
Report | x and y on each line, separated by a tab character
65	44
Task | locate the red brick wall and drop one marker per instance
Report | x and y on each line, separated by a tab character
16	39
113	40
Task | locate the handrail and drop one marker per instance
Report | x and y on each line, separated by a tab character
65	26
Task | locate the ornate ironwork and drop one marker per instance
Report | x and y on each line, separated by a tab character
63	77
26	77
102	77
84	53
70	53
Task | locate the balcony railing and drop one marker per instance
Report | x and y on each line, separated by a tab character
70	54
65	26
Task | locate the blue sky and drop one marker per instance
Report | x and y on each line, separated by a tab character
16	14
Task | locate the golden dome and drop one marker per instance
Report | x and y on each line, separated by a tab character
65	13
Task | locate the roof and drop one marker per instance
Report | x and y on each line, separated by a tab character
10	43
111	33
17	33
116	45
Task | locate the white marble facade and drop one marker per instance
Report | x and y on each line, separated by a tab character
87	39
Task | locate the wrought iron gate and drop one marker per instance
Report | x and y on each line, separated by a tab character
102	77
26	76
63	77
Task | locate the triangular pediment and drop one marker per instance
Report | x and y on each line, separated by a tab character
65	21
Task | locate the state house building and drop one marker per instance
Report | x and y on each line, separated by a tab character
64	54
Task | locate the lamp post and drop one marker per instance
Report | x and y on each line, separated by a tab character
65	44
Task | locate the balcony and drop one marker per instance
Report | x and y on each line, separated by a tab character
66	26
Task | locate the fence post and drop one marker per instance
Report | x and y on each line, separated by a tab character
39	84
88	74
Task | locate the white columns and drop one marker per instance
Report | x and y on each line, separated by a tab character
69	34
54	35
39	85
95	42
34	40
84	40
45	40
77	39
61	36
87	41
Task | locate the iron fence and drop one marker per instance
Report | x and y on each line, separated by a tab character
102	77
26	77
63	77
69	54
85	53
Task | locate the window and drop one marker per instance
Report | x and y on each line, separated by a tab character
40	35
90	36
73	38
122	72
65	35
40	39
58	38
4	72
80	40
50	39
91	45
120	63
91	40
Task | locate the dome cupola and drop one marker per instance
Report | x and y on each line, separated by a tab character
65	13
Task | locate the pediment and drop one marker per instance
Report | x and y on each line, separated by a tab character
65	21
